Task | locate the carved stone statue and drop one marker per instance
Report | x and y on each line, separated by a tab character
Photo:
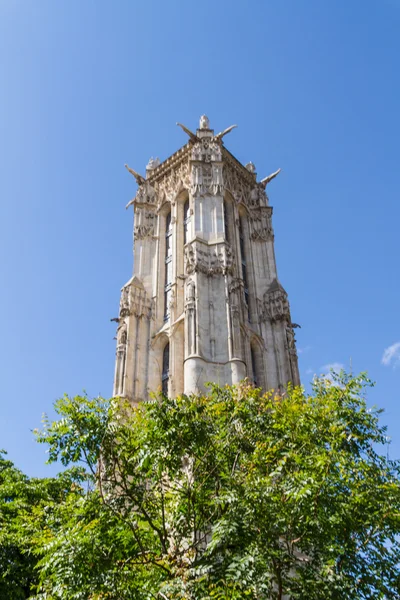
171	303
124	303
204	122
290	337
122	334
254	197
190	291
190	261
153	164
276	304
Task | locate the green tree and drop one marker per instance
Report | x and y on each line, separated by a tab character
232	494
24	503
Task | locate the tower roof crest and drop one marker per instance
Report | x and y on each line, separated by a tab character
204	122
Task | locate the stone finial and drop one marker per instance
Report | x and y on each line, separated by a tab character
251	167
152	164
204	122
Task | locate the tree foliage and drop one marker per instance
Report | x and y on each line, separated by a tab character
24	503
233	494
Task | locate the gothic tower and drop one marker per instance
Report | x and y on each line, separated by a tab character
204	303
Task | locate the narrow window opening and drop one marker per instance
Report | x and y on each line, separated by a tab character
165	370
186	221
244	264
226	224
254	366
168	265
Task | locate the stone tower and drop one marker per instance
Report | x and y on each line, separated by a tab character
204	303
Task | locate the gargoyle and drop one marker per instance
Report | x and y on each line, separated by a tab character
192	135
219	136
264	182
139	179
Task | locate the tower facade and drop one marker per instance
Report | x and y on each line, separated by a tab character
204	303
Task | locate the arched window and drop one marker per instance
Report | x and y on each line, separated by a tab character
165	370
186	221
168	265
243	260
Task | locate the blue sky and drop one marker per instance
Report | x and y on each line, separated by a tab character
87	86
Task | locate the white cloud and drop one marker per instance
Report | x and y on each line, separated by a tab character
331	368
336	367
302	350
391	356
309	371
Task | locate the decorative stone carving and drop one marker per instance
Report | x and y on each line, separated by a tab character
145	194
196	180
207	150
217	181
204	122
205	131
122	334
190	260
236	184
235	285
135	302
291	348
124	305
251	167
172	182
235	312
226	259
153	164
276	305
145	221
260	310
261	224
141	305
290	338
254	197
210	260
172	301
190	291
258	197
206	179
